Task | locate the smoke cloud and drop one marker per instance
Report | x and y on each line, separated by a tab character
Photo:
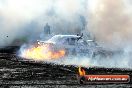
20	18
110	23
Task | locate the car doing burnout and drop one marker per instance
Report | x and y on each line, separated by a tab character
72	44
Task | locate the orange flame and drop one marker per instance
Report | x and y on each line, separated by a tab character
42	52
81	71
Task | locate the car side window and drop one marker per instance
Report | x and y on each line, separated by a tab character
71	41
66	41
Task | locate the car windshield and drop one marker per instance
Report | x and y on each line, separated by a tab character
63	39
56	39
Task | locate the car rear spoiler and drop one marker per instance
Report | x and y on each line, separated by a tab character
80	36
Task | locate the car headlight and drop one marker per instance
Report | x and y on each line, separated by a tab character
38	42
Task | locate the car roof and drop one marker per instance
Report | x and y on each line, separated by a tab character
58	38
67	36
